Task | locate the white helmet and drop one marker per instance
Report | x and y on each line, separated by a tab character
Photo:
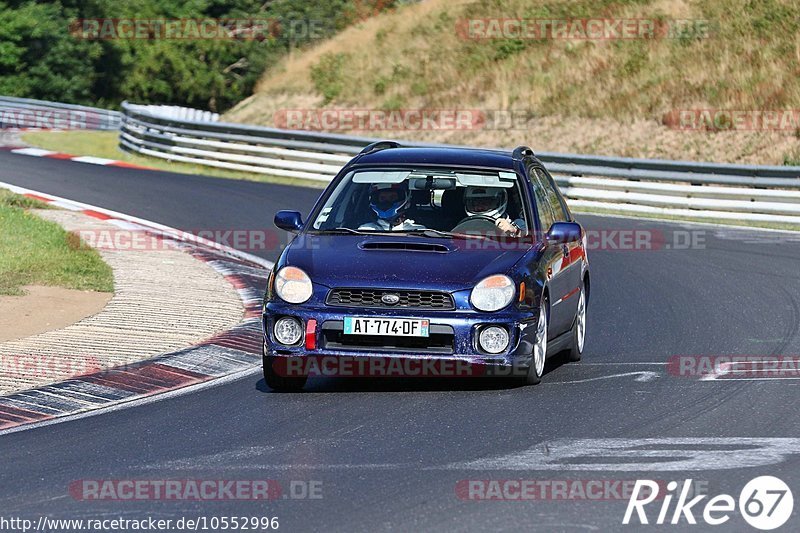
488	201
390	206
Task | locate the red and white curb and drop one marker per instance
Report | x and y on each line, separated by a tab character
228	355
39	152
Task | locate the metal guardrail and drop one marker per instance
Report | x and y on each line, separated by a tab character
177	112
27	113
649	186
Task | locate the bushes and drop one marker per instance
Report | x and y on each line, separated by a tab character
328	75
40	58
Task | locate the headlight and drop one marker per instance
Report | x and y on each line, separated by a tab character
292	285
493	293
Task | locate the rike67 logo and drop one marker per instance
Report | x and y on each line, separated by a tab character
765	503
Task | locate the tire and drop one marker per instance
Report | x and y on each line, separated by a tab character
277	382
539	356
575	351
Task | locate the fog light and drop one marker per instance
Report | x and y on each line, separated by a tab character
493	339
288	331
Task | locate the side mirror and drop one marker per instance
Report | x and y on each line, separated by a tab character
564	232
289	220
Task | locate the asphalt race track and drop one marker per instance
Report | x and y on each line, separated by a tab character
397	454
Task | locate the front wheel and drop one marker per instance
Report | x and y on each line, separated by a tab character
535	371
578	329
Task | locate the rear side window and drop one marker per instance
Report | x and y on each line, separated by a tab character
546	217
556	204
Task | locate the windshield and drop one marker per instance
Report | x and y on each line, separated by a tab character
432	202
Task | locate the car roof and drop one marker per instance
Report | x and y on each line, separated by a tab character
463	157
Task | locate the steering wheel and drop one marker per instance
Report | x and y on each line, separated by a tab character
470	218
476	221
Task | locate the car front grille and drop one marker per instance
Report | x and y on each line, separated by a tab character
429	300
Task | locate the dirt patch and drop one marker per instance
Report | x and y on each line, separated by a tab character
45	309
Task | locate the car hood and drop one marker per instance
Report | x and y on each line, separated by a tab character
401	261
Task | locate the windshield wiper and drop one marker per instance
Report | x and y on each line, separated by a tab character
424	232
439	233
343	230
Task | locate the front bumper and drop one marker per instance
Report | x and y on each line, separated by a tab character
453	334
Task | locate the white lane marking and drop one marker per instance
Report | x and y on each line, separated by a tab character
682	454
340	466
721	371
584	363
65	205
714	377
650	454
93	160
37	152
124	224
290	466
642	376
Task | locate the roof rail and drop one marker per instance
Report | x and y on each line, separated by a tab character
379	145
521	152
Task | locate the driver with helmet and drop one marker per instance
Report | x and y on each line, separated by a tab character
390	201
492	202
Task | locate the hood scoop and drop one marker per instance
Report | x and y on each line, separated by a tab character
404	246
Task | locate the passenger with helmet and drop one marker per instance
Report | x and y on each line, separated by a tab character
390	201
492	202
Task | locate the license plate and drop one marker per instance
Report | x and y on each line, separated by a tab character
403	327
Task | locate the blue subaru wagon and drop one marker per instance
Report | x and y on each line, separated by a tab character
444	254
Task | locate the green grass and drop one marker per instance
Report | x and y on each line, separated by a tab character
792	158
329	76
106	144
34	251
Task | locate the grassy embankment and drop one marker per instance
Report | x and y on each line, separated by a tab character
34	251
611	96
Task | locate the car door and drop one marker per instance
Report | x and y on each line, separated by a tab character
570	267
552	258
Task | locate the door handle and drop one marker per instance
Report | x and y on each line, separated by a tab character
565	250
